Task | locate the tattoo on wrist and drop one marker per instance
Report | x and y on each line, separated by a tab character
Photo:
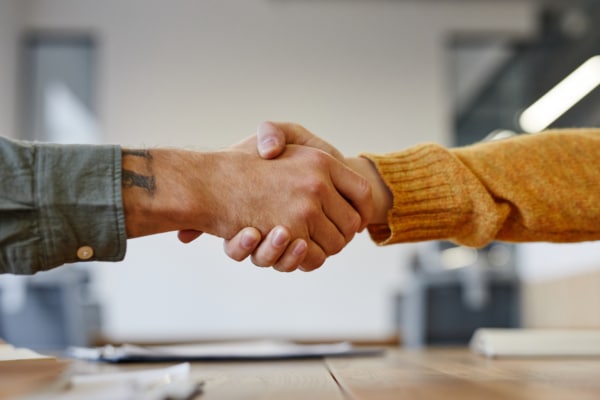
144	179
131	179
143	153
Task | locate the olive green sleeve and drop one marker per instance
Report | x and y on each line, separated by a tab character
59	204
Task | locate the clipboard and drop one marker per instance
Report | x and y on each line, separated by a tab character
226	351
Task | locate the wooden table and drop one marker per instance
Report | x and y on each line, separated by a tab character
399	374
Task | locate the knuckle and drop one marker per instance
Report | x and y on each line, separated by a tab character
322	159
338	243
308	212
314	185
317	159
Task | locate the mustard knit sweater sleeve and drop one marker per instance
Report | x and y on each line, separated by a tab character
542	187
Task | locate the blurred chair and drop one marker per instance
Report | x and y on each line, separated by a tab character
453	290
50	310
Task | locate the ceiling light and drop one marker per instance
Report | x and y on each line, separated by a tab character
562	97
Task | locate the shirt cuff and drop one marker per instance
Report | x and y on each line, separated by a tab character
426	205
77	189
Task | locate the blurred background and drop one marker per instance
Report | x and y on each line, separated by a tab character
366	75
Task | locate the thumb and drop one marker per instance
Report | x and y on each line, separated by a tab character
274	136
271	140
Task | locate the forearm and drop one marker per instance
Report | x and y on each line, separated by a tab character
530	188
168	189
544	186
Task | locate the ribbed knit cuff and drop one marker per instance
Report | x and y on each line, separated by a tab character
427	204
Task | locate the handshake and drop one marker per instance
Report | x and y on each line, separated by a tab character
284	196
290	200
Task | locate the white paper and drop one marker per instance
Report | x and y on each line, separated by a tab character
178	372
146	384
536	342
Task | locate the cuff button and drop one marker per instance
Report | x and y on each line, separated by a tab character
85	252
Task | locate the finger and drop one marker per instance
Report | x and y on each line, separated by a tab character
242	244
292	257
273	136
271	141
271	249
188	235
326	234
315	257
346	219
355	189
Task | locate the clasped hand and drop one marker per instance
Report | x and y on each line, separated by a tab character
290	200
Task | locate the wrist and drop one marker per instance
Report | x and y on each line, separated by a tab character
165	190
382	196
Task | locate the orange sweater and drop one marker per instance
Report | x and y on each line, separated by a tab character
542	187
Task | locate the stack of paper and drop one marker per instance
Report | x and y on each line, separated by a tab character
536	342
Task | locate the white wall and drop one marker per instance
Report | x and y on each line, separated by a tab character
366	75
10	21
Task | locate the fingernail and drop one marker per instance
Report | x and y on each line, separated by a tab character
248	240
280	238
264	128
300	248
267	145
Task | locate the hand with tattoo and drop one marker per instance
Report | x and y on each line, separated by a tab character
316	202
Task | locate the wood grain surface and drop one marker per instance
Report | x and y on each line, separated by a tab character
399	374
457	373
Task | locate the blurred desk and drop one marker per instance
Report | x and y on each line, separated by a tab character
427	374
